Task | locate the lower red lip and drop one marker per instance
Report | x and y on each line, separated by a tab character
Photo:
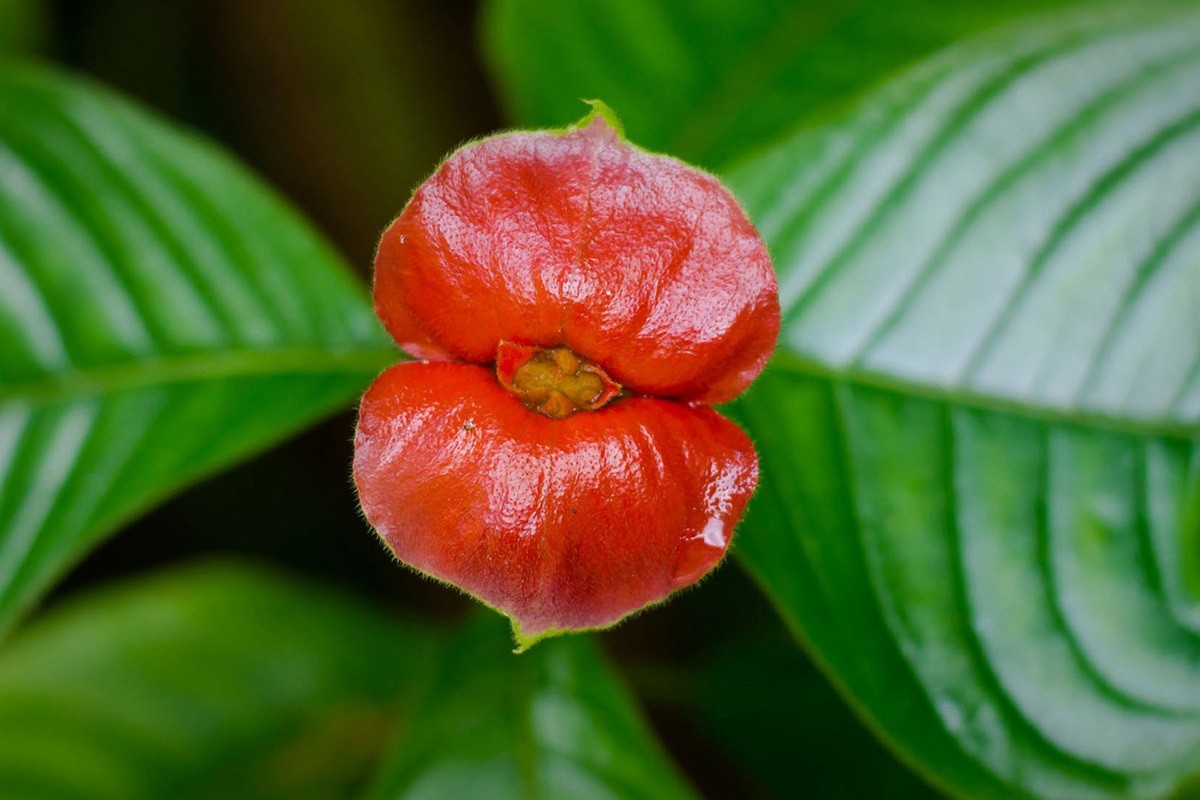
561	524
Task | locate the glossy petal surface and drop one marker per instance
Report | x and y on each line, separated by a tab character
637	262
559	523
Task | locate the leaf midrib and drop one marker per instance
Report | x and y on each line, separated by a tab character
788	362
197	367
130	375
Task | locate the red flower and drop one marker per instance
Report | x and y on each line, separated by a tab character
578	304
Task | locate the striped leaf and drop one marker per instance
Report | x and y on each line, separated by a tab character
981	437
161	315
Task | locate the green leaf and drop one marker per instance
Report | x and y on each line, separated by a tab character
161	315
981	437
709	80
211	682
551	723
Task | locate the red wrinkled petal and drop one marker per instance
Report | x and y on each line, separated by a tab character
637	262
559	523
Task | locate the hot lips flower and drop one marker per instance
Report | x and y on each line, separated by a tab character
577	304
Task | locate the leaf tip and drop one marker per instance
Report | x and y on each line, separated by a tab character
601	114
524	640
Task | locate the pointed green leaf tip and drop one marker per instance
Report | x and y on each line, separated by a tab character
601	110
525	641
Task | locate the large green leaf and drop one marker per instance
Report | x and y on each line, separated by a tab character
213	682
707	79
981	437
161	315
551	723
